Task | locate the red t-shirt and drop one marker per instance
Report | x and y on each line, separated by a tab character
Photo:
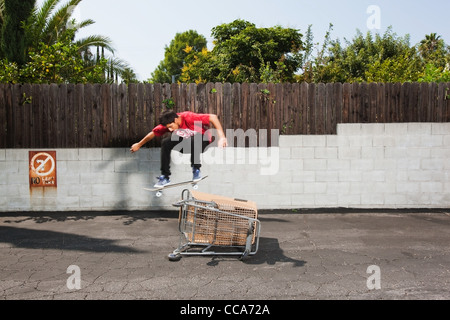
191	124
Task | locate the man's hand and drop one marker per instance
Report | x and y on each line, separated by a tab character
135	147
222	143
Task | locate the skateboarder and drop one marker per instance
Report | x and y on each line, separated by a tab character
188	135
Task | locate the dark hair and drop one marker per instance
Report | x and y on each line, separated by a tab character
167	117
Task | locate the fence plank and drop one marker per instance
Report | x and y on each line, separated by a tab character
3	120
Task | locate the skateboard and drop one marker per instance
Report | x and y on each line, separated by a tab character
159	191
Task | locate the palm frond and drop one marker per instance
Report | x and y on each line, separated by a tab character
96	40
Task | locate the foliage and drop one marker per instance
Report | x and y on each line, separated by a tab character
181	48
435	74
58	63
13	38
53	55
376	58
53	21
9	72
244	53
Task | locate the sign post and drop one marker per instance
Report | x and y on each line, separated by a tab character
42	168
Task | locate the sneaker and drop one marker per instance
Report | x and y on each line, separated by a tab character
162	181
196	174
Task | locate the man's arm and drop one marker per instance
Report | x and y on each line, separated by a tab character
222	143
135	147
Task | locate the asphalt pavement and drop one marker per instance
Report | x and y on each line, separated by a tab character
329	254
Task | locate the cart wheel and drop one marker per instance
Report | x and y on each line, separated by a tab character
195	187
174	257
159	194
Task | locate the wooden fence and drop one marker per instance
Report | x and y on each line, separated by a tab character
88	116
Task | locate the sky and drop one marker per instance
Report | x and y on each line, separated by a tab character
141	29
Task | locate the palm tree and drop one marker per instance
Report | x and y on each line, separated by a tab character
2	18
48	25
430	44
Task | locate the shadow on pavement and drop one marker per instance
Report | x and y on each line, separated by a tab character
43	239
269	252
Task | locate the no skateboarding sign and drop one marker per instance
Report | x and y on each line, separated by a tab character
42	168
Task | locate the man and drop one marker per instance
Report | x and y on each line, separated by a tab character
188	134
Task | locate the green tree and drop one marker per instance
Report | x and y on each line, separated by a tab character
433	50
181	47
2	19
53	20
13	39
61	63
244	53
383	58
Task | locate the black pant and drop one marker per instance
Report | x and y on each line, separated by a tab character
194	145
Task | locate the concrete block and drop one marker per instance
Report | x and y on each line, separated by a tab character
419	128
440	128
17	154
348	129
314	141
315	187
375	153
360	141
325	200
90	154
350	175
285	153
326	152
407	187
433	164
327	176
302	153
395	129
290	141
349	152
349	200
373	176
125	166
304	176
303	200
385	164
339	164
373	199
372	129
102	166
337	141
338	187
432	141
384	141
432	187
68	154
446	141
314	164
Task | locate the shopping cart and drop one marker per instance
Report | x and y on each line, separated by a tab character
216	225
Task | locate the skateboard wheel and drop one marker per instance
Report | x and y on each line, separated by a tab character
195	186
174	257
159	194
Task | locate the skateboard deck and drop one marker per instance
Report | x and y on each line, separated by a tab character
177	184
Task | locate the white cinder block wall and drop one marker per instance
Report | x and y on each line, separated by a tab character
398	165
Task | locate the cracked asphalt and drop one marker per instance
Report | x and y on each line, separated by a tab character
303	255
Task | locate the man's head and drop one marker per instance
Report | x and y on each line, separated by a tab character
170	120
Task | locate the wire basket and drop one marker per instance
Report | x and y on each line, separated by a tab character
215	222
